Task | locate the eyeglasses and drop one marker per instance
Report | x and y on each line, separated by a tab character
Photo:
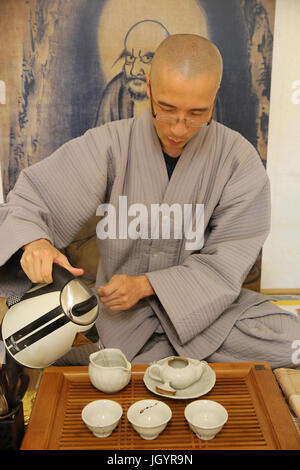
174	120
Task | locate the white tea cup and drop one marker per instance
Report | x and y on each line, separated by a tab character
102	416
149	417
206	418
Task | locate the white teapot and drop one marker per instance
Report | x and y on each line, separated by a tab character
177	373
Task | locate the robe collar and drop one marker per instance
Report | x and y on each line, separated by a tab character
151	162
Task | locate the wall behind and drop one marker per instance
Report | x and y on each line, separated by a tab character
72	65
281	253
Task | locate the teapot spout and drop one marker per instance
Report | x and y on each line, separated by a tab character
110	357
126	364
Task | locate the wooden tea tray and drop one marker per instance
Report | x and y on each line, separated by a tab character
258	415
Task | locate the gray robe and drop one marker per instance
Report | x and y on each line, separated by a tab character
199	299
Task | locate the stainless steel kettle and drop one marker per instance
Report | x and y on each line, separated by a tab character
41	327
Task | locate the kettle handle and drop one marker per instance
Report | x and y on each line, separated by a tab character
61	276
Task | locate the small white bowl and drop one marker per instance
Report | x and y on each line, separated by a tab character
149	417
102	416
206	418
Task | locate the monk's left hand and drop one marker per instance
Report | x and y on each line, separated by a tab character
123	291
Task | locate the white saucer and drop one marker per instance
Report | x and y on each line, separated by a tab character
201	387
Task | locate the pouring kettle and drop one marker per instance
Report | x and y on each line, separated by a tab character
41	326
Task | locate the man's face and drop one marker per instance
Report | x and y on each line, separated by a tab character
137	64
173	95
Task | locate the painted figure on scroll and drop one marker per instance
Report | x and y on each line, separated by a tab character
159	294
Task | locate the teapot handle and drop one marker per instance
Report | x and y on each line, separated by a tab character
154	372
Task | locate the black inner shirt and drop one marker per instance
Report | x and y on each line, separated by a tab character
170	163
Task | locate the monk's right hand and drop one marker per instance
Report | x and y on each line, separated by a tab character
38	258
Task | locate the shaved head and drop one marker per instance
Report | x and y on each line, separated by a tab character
188	54
182	87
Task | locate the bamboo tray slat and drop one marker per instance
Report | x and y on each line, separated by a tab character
258	415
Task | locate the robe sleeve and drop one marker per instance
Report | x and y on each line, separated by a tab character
195	293
51	199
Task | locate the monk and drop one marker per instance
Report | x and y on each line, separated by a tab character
158	295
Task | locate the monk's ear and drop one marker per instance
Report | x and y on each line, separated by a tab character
148	84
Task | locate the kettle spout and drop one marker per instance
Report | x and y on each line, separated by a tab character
86	337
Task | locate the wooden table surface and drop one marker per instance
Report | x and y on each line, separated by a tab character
258	415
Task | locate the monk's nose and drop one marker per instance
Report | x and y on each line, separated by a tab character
179	129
